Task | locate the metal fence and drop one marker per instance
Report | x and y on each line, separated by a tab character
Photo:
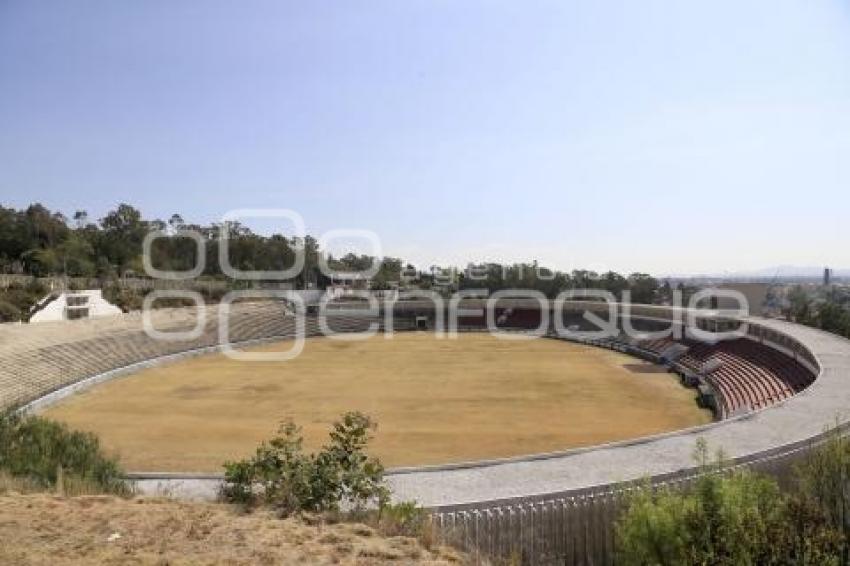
578	528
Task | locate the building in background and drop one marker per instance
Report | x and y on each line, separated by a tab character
755	293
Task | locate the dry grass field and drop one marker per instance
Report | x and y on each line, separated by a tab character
49	531
435	401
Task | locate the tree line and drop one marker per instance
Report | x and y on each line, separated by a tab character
827	309
40	242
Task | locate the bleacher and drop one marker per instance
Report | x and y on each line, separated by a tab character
745	375
742	374
38	359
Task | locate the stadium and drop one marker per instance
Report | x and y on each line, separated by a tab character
771	392
425	283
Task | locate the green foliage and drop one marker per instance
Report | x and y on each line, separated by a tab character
735	520
389	272
126	299
9	312
823	490
731	518
42	261
651	531
724	520
494	277
16	300
645	288
801	306
833	317
405	519
828	311
130	299
76	255
810	539
46	452
359	476
39	242
282	475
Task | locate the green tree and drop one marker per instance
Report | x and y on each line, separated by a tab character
280	474
76	256
833	317
42	261
644	288
800	305
121	241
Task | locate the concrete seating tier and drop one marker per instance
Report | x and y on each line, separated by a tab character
746	374
41	358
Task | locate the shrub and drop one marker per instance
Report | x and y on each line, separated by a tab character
730	518
125	298
48	453
651	530
344	460
822	498
9	312
404	519
18	299
282	475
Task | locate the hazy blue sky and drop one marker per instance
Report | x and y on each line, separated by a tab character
661	136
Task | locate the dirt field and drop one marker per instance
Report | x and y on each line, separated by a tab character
435	401
47	530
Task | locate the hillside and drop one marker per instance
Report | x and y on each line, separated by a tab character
44	529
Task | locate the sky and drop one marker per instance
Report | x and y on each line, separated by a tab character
665	137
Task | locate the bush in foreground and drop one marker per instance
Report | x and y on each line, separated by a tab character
280	474
731	518
47	454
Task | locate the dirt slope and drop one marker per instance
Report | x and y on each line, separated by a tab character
42	529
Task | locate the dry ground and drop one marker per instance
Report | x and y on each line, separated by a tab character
435	401
47	530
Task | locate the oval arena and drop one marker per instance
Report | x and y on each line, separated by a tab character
773	393
508	397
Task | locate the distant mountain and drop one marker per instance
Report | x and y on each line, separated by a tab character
779	272
790	271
